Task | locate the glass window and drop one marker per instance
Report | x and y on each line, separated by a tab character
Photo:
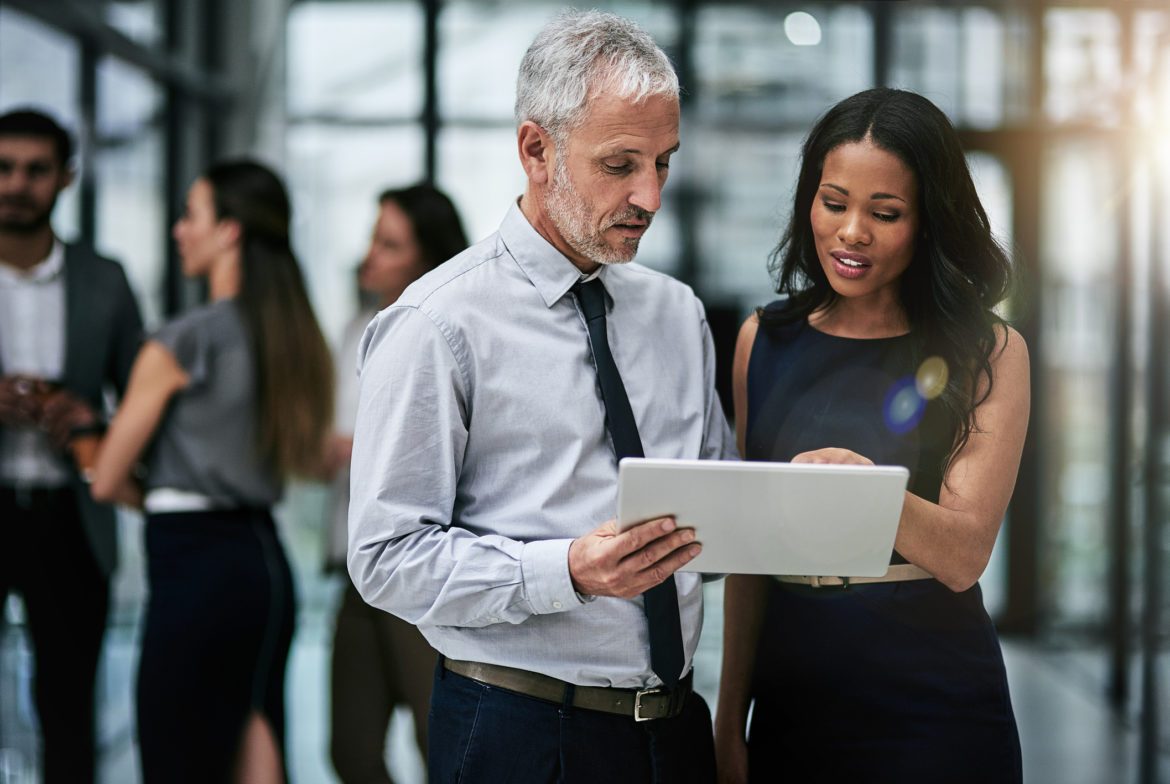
984	68
1079	255
481	45
334	175
355	59
128	179
745	181
925	54
750	69
1082	66
480	48
138	20
479	168
40	67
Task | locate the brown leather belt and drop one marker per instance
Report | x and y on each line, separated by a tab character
640	705
896	573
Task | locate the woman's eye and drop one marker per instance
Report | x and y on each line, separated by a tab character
886	217
832	206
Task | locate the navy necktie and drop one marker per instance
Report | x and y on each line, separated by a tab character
661	601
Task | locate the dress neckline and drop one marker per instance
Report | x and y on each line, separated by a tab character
817	331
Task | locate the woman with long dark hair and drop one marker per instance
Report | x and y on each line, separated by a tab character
223	404
884	348
379	660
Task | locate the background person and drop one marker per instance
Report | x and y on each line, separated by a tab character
223	403
885	349
379	660
69	330
485	453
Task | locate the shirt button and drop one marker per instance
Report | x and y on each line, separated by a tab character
557	605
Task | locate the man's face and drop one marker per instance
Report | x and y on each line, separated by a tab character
30	179
607	184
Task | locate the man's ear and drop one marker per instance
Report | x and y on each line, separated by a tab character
538	154
67	177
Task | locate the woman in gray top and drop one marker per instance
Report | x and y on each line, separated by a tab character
223	404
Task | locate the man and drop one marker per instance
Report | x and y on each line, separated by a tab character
489	432
69	330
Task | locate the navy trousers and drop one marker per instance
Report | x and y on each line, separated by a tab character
46	558
481	733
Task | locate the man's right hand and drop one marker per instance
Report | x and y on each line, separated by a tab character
20	400
607	563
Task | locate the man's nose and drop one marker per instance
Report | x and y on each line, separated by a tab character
647	190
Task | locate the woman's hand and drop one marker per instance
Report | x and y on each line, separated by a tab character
832	454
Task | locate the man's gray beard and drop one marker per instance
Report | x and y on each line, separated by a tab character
566	209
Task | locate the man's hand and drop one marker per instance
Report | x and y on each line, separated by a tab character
20	400
607	563
62	413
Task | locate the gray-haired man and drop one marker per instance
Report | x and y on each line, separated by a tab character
488	436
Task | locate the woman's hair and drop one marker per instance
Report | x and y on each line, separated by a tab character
435	221
294	375
958	273
580	53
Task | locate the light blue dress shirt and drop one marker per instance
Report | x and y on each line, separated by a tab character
480	452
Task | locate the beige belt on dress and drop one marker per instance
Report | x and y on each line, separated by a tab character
896	573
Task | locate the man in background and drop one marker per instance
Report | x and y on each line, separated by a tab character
69	331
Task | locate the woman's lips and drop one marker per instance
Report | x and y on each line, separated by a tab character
850	265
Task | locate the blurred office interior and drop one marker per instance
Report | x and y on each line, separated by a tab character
1064	110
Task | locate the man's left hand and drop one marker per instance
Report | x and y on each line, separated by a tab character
62	413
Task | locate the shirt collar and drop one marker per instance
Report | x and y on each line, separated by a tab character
41	272
550	271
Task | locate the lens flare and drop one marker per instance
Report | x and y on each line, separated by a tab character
904	406
931	379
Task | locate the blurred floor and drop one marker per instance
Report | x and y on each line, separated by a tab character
1068	734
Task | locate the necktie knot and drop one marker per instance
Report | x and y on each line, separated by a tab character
591	295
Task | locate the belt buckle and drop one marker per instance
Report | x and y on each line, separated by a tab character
638	703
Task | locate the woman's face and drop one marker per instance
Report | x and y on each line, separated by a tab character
199	235
394	259
865	221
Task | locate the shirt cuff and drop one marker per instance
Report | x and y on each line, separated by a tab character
545	565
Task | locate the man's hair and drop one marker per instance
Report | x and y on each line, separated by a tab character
576	56
30	122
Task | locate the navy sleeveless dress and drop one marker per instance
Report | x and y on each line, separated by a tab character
898	682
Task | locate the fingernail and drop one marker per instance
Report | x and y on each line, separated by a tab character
668	524
694	551
688	536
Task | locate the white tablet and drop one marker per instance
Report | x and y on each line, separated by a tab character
771	518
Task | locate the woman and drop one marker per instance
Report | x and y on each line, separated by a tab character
379	660
223	403
884	349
